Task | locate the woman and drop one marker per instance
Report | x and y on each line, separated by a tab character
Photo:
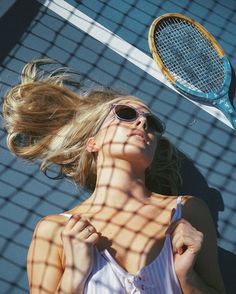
130	235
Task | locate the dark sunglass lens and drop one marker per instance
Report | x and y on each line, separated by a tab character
125	112
154	124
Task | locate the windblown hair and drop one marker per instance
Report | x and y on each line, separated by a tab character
47	120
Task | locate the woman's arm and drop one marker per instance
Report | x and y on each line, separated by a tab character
195	242
44	264
47	271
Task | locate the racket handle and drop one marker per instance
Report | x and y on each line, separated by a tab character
224	105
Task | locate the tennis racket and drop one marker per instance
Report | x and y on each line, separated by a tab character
192	61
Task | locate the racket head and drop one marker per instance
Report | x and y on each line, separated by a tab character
189	57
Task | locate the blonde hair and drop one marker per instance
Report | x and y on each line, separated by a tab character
46	120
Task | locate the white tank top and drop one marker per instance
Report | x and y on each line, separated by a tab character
158	277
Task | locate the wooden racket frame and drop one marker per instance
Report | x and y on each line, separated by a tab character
154	51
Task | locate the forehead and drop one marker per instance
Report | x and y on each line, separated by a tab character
135	103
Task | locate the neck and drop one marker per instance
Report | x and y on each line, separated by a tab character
120	185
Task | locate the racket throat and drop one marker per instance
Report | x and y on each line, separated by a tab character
224	105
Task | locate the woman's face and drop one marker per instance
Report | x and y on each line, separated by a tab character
131	141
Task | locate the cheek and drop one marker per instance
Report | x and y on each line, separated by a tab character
114	141
112	137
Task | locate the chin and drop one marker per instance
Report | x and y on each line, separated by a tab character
135	155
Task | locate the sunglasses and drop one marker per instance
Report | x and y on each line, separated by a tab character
130	114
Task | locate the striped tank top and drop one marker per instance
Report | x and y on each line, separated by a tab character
158	277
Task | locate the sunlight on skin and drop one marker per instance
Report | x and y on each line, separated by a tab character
121	216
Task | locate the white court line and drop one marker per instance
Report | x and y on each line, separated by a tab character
118	45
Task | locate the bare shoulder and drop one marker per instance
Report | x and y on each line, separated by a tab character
50	227
190	204
46	243
193	205
197	213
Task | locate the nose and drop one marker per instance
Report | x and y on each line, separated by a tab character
141	122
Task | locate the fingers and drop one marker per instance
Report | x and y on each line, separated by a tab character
185	242
77	224
72	221
93	238
80	229
181	224
185	237
86	231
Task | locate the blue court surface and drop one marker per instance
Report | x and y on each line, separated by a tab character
107	42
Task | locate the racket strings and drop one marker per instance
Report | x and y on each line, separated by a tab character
189	55
187	44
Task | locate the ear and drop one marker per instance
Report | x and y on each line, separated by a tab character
91	145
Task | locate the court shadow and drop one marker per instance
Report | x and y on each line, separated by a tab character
195	184
14	23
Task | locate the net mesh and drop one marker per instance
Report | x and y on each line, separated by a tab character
205	142
189	56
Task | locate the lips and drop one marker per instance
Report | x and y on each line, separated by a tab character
139	134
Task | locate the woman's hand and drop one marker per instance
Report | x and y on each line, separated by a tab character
78	238
187	242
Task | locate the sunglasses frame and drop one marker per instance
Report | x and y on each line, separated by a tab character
140	113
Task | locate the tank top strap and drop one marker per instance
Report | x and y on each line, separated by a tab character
66	215
178	211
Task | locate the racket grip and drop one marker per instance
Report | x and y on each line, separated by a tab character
224	105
